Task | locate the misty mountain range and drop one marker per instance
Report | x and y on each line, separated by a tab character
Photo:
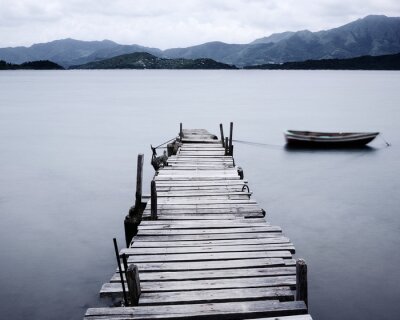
373	35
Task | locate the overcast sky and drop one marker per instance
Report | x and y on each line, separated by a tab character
175	23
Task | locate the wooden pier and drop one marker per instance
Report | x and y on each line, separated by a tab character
203	248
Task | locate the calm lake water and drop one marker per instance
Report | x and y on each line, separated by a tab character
68	147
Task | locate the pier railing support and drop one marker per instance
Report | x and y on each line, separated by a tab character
120	271
132	220
230	140
221	129
301	281
226	146
153	200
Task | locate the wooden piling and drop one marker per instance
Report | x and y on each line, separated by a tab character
180	131
221	129
241	173
132	220
226	147
139	181
230	139
153	200
301	281
133	281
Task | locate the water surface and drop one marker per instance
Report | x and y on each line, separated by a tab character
69	142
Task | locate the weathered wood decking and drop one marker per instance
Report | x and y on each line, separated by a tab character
210	254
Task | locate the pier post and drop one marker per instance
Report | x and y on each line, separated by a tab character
221	129
133	281
230	140
301	281
170	149
240	173
139	181
153	200
226	146
180	131
132	220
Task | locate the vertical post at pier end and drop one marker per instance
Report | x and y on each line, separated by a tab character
153	200
301	281
221	129
133	281
226	147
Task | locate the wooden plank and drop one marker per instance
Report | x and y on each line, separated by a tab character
203	167
212	171
115	288
236	242
224	310
145	232
202	183
201	194
214	265
196	224
193	189
212	296
213	274
202	161
208	210
203	157
207	249
198	216
224	202
200	138
210	177
216	198
195	237
182	257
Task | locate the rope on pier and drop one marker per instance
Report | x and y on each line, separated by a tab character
276	146
170	140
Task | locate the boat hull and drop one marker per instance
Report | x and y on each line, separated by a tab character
328	140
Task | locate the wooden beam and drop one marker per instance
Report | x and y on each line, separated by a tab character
221	129
139	181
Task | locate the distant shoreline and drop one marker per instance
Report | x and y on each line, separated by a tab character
384	62
146	61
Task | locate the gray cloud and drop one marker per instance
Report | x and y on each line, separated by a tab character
174	23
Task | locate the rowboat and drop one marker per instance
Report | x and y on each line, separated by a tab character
328	139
